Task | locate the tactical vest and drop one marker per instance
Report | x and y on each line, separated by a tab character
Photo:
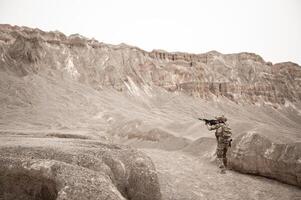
223	133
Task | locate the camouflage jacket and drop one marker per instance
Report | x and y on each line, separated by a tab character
222	131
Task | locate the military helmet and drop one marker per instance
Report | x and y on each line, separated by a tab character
221	118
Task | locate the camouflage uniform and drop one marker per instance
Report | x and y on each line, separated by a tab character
223	136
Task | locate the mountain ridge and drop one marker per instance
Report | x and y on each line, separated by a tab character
56	36
242	77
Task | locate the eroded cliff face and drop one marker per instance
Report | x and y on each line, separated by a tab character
242	77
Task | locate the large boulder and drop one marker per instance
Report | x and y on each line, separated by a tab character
92	170
23	179
255	154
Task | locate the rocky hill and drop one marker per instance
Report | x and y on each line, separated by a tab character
73	105
241	77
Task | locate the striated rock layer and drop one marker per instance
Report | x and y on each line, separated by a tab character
241	77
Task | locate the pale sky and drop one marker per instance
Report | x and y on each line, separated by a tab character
270	28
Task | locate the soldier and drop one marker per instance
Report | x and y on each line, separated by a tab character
223	138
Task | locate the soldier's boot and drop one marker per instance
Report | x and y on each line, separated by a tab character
221	165
225	162
223	171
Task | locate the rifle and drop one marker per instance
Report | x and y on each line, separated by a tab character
211	122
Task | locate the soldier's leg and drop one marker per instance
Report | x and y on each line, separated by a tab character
220	153
225	160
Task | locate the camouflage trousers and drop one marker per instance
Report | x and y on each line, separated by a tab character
221	152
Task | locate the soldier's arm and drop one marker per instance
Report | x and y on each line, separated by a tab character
212	127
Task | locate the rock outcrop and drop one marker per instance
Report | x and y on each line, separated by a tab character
91	171
255	154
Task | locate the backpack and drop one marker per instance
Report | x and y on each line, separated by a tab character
226	132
